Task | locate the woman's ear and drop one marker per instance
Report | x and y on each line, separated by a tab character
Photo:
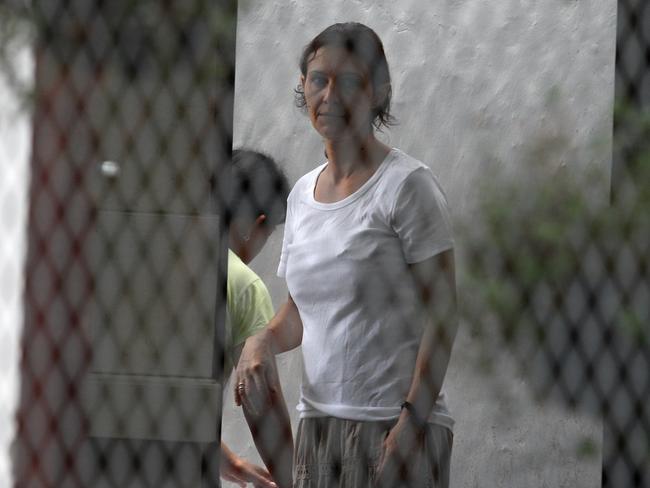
261	218
302	82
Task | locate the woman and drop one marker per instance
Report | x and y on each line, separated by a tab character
368	260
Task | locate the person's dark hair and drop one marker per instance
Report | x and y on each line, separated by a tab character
258	187
363	43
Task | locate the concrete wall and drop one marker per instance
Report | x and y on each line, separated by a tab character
478	86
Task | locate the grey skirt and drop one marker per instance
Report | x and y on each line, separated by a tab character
332	452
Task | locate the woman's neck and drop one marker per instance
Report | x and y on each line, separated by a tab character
347	157
349	166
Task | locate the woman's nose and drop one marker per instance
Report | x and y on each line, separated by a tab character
331	93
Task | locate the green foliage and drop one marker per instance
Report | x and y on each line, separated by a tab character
546	228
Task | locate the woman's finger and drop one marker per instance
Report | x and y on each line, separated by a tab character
258	390
247	391
273	382
234	479
239	391
264	484
262	478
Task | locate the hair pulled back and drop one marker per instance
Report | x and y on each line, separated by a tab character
365	45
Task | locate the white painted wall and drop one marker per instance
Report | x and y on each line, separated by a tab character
15	145
477	85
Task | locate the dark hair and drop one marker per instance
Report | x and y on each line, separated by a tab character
258	187
363	43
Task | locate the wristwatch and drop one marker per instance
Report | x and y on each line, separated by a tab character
418	421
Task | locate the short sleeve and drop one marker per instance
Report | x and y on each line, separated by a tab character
287	239
420	217
253	309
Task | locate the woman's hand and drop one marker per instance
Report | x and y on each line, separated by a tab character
241	472
257	383
256	375
397	463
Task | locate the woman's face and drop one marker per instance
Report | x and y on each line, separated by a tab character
339	94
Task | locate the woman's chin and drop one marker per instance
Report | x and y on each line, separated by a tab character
333	133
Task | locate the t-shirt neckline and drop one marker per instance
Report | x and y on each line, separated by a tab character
354	196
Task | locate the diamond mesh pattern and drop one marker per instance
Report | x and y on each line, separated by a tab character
565	277
123	340
125	288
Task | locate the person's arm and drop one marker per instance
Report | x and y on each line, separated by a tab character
284	331
237	470
437	284
256	376
435	280
261	396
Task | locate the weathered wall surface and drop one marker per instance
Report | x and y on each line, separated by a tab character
478	85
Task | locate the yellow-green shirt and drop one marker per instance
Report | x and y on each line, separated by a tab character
249	306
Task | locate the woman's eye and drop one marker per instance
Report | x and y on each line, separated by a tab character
350	84
318	81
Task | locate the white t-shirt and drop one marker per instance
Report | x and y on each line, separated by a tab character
345	264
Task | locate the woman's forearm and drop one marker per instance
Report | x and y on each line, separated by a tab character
436	283
431	367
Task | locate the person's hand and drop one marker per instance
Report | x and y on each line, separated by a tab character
256	385
397	459
241	472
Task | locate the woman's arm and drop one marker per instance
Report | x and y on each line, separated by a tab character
256	376
261	395
435	279
436	284
285	329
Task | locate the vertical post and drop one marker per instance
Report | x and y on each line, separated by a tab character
122	350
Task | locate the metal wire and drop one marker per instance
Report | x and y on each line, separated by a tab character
125	293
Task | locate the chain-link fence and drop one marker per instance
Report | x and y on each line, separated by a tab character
563	268
125	275
128	329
